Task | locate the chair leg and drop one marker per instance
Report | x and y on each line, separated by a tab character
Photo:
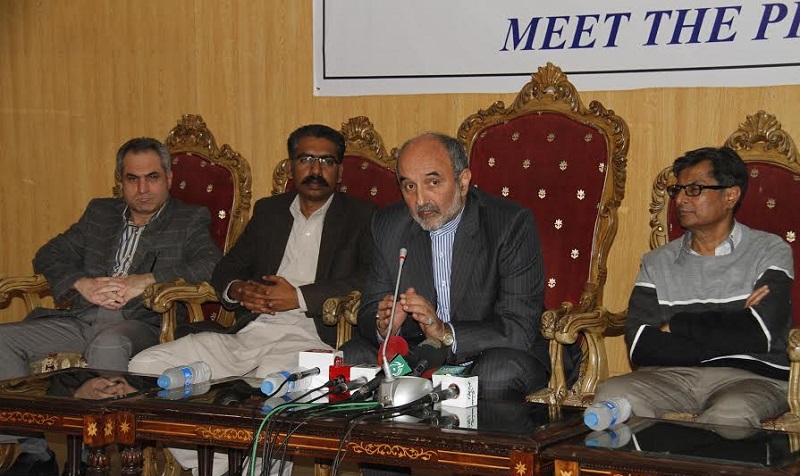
171	466
322	468
149	463
7	453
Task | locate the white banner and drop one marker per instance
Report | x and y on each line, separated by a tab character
364	47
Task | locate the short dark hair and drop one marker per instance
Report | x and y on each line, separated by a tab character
455	150
727	167
320	131
143	144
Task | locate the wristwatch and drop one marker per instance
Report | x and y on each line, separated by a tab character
447	339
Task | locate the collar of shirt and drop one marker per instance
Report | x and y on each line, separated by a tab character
449	227
294	208
725	248
126	216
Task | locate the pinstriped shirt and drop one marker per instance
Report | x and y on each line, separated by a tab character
442	255
128	242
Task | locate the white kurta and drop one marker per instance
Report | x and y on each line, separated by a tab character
268	344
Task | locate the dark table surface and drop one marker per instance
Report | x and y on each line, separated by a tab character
675	447
492	437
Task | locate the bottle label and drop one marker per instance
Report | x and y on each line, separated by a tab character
187	375
614	412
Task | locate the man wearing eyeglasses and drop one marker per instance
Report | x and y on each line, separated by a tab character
710	312
298	249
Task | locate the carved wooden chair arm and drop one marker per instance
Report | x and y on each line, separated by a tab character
616	322
793	349
162	297
563	326
342	311
337	308
30	288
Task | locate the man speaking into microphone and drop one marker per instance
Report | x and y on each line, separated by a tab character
473	278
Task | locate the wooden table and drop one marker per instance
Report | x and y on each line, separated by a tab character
649	447
44	403
494	437
508	440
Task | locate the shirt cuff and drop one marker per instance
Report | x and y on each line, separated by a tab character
301	301
453	347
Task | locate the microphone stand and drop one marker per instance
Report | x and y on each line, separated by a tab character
387	371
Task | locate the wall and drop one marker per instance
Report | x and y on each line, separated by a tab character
79	77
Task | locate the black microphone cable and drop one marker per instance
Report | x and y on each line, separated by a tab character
336	385
290	430
433	397
271	428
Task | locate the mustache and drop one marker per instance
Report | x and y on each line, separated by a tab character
428	208
318	179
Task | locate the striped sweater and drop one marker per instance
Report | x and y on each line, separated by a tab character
702	298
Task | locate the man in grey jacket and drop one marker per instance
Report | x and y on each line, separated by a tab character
102	264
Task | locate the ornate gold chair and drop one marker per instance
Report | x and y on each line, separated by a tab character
770	205
202	174
219	179
565	162
369	174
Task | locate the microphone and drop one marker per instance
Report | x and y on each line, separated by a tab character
343	386
390	329
367	390
451	391
303	374
392	347
428	355
398	366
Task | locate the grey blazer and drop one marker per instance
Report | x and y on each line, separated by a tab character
497	280
176	244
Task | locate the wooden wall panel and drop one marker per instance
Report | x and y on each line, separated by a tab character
79	77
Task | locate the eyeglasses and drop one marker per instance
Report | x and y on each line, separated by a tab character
693	189
325	161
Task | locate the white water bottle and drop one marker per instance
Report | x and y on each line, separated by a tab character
601	415
184	375
296	380
615	437
185	392
273	402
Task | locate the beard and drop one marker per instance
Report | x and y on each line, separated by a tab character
438	219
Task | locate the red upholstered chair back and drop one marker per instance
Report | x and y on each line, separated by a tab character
368	172
567	164
770	203
218	179
203	174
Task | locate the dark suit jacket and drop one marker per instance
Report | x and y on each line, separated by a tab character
344	255
176	244
497	281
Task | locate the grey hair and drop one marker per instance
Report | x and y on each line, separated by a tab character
456	151
144	144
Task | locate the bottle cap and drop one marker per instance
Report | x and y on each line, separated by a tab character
163	381
590	418
267	387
